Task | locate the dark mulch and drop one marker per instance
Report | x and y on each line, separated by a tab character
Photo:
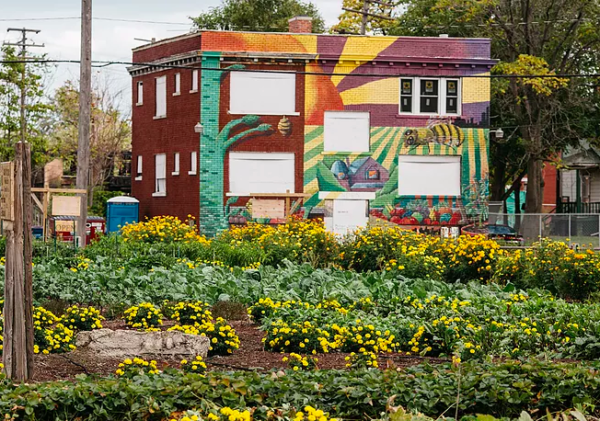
250	356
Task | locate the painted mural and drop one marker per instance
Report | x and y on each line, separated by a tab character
356	73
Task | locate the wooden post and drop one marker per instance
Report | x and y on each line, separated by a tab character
28	257
15	353
287	204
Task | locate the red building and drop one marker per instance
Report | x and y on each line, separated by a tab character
283	112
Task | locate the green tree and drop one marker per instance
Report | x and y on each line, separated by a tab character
541	37
258	15
110	130
350	22
36	107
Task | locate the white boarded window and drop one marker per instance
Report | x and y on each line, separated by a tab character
138	170
160	174
347	131
428	175
263	93
176	164
193	163
140	93
161	96
251	172
177	83
194	80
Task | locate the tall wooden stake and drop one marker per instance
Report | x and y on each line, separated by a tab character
27	256
15	353
85	105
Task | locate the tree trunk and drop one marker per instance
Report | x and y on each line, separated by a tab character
534	198
498	186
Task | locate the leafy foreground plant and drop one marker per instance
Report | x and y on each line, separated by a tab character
502	390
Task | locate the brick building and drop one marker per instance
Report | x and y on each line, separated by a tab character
397	125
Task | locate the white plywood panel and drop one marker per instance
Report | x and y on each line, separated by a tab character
262	93
346	131
429	175
261	172
349	215
161	96
66	205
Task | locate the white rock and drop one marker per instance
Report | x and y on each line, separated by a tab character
128	343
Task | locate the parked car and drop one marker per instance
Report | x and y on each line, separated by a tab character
501	232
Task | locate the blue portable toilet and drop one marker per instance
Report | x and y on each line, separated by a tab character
121	210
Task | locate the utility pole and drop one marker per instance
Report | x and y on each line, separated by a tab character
366	13
85	105
18	287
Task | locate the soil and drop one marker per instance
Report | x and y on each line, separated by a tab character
249	357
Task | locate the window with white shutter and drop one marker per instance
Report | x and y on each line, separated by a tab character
160	188
138	170
161	97
428	175
262	93
140	93
193	163
346	131
253	172
176	165
194	81
177	84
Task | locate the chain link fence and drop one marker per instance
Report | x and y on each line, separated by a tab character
574	228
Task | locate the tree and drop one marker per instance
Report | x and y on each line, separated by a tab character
110	130
350	22
258	15
536	37
36	108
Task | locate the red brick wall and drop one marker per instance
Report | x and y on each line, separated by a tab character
175	133
276	142
169	48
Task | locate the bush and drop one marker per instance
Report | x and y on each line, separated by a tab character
196	366
143	317
137	367
82	318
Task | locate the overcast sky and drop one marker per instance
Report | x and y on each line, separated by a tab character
59	23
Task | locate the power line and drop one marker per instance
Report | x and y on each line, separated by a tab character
96	18
104	63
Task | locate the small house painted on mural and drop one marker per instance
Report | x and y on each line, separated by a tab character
394	128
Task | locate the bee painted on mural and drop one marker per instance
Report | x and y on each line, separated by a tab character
440	132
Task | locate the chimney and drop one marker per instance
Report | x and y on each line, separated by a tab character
300	25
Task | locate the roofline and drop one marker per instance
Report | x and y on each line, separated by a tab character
166	41
443	39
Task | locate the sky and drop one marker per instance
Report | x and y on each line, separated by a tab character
112	39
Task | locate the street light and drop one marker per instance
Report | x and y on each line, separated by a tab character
198	128
499	133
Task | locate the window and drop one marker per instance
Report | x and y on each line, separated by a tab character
140	93
138	170
451	96
428	175
161	97
160	188
194	81
263	93
430	96
193	163
177	84
176	164
346	131
406	95
251	172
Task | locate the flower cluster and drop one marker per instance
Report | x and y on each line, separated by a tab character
58	339
363	359
144	317
298	362
138	366
223	338
190	313
297	337
197	365
162	229
312	414
82	318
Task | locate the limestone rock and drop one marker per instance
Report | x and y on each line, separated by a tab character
128	343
